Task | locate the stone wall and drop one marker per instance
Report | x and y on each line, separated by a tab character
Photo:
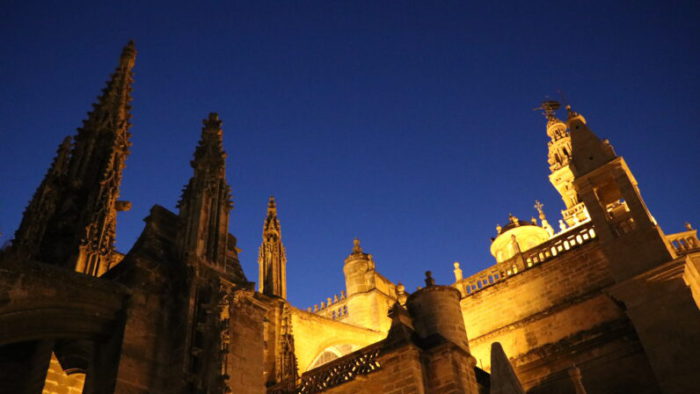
313	334
506	311
553	315
401	372
59	382
245	360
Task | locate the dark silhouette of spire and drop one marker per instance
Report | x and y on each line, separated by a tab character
206	201
99	157
77	225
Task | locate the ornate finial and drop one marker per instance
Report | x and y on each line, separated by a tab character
401	295
538	206
498	228
212	122
533	221
400	288
271	205
549	109
513	219
688	226
356	248
429	281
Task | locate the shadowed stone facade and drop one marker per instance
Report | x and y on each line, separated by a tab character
609	303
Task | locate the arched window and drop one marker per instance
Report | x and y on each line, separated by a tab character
331	353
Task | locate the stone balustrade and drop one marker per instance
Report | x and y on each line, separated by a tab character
333	308
685	242
334	373
562	243
342	370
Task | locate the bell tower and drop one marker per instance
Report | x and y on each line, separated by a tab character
650	280
609	191
559	159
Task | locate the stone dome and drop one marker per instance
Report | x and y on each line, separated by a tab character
517	236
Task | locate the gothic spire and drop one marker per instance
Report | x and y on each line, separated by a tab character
43	204
272	257
101	148
206	201
78	232
107	126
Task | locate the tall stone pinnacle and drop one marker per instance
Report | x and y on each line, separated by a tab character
107	125
78	232
272	256
99	157
206	202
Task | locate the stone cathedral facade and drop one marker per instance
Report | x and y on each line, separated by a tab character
605	303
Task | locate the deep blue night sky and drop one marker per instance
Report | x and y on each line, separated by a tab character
406	124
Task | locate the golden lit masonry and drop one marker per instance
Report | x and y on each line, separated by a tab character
600	301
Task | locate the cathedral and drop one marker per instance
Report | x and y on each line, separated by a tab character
600	300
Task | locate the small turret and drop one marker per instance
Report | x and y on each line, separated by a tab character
358	270
437	319
436	311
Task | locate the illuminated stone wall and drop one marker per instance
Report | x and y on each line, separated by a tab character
313	334
401	372
554	315
502	312
59	382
